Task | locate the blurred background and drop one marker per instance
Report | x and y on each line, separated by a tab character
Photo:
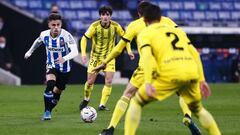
212	26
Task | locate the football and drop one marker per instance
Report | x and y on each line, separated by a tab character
88	114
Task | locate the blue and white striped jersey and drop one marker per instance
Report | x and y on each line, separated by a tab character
56	47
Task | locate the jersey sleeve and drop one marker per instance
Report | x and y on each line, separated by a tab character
73	47
146	54
120	30
130	32
197	58
90	32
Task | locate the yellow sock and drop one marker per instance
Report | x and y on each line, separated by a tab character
87	91
208	122
119	111
133	117
184	107
105	94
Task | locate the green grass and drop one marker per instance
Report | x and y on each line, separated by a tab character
21	109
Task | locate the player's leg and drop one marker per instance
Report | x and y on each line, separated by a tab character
187	119
61	81
106	91
122	104
88	87
48	93
192	97
120	109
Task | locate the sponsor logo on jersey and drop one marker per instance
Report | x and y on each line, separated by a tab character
56	49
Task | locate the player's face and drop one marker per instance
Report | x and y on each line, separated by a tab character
105	18
55	26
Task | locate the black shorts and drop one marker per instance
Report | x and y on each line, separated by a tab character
61	78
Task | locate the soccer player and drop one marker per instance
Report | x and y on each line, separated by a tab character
177	71
60	48
103	33
133	30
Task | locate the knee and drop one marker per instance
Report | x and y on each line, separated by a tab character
195	107
90	81
129	92
57	91
50	85
108	80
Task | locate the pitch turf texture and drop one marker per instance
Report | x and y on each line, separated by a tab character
22	107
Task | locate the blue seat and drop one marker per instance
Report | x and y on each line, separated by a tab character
35	4
21	3
189	5
173	14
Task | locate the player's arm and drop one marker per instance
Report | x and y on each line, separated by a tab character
148	69
83	43
120	32
144	40
205	89
73	51
34	46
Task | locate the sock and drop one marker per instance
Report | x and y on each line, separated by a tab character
208	122
119	111
184	107
87	91
48	95
54	101
133	116
105	94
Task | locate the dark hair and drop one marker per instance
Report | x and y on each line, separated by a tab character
54	16
105	9
141	6
152	13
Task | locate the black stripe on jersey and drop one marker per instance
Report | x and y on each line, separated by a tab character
144	46
124	39
109	39
95	39
176	26
86	36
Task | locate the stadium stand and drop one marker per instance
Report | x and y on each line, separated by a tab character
202	20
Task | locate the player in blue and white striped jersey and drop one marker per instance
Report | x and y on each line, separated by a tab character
60	49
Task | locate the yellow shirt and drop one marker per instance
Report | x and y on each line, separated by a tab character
169	47
103	39
132	32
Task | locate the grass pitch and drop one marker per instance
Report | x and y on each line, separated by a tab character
21	109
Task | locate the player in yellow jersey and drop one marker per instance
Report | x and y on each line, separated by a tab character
103	33
177	71
133	30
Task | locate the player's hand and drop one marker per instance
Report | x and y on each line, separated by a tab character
59	60
205	89
132	56
27	55
84	59
150	90
100	67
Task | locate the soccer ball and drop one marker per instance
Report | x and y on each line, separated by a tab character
88	114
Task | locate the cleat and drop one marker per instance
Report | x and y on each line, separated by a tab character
108	131
83	104
47	115
187	121
103	108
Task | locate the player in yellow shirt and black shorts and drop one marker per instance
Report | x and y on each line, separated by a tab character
103	33
177	71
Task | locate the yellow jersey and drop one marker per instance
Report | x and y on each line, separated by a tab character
103	39
169	47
